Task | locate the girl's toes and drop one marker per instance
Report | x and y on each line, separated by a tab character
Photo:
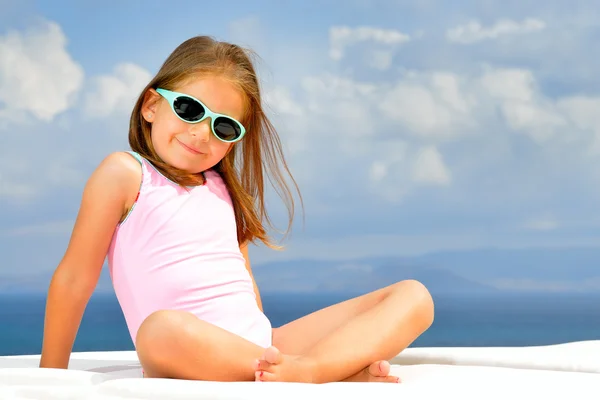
264	376
379	368
264	366
272	355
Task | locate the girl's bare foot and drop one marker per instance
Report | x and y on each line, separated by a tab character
379	371
276	367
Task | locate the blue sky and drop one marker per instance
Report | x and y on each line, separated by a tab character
411	126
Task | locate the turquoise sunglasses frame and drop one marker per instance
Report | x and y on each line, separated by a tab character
170	96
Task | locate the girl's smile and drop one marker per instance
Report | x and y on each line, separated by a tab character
189	148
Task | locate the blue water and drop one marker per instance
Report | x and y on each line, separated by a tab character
498	320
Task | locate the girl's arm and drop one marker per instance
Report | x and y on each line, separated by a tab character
109	192
244	250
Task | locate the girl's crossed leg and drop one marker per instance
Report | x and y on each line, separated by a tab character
333	344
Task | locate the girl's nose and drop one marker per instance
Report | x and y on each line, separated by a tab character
201	131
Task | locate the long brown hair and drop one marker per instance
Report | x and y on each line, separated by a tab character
242	169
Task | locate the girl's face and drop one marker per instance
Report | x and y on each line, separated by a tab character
192	147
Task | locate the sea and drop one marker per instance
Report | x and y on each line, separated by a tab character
460	320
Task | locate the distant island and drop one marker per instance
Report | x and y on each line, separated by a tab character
534	270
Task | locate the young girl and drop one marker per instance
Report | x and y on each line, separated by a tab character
175	217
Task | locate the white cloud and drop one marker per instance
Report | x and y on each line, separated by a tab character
474	32
280	99
540	121
428	104
582	113
582	110
388	157
543	223
287	115
389	170
40	78
397	169
378	171
379	57
37	74
338	106
116	93
509	84
429	168
420	104
522	104
396	128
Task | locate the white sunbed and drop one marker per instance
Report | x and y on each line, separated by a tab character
569	371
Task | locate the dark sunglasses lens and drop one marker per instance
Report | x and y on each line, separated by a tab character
227	129
188	109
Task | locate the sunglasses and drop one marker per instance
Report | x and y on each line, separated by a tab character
193	111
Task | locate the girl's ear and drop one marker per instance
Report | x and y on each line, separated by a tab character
151	98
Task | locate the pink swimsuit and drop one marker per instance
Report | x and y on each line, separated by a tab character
178	250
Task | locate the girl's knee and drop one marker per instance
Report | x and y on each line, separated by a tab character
413	286
419	295
160	327
156	336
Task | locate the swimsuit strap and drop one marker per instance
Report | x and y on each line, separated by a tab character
136	156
